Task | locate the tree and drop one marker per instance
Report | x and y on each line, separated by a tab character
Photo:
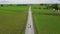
55	7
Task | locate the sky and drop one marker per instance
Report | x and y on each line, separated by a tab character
29	1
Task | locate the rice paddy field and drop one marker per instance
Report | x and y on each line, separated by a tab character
46	21
13	19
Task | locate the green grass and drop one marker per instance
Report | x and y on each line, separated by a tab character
13	19
46	24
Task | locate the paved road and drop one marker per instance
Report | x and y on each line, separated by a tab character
29	26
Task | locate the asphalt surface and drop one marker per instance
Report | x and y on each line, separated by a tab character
29	26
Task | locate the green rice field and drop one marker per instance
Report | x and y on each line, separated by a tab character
46	21
13	19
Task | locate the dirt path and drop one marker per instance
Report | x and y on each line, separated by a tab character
29	26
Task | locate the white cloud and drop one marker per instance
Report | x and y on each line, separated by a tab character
28	1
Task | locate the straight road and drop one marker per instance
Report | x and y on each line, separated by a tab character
29	26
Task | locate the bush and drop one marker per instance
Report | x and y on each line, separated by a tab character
1	5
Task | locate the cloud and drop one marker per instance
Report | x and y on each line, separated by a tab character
28	1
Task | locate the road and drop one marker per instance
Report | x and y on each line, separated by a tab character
29	26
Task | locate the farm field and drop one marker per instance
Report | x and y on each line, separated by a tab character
13	19
46	21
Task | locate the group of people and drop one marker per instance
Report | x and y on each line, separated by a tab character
29	25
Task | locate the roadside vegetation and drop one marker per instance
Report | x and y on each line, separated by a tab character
46	20
13	19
